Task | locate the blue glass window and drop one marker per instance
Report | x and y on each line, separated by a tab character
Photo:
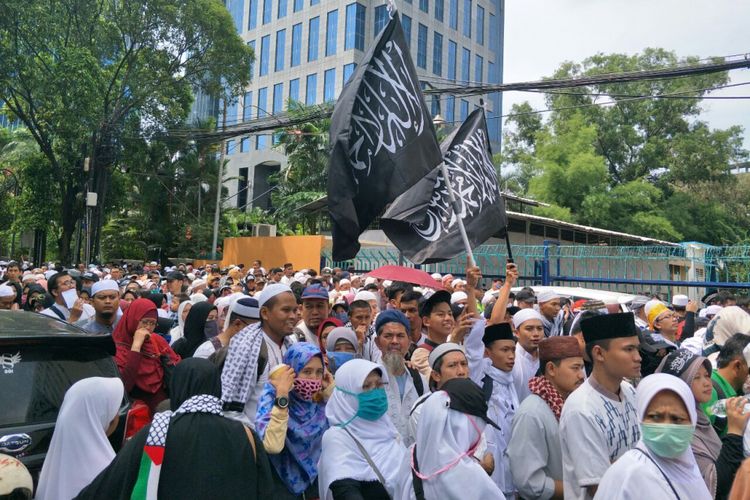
296	45
437	54
406	24
329	85
452	55
278	98
267	11
465	64
260	140
247	106
294	89
478	68
464	109
314	2
439	10
281	9
450	109
311	90
232	110
332	22
244	145
493	32
435	107
280	47
355	27
453	14
312	39
251	44
422	46
231	146
298	4
265	54
237	9
348	71
480	25
424	5
381	19
252	19
467	18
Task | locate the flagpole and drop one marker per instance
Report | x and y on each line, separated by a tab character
457	212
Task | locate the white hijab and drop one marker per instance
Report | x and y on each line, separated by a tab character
178	331
682	470
80	450
443	435
340	457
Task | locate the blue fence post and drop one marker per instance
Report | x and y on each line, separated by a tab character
545	266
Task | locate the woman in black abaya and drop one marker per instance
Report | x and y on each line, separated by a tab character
204	456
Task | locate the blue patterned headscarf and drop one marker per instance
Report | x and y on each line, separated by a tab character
297	464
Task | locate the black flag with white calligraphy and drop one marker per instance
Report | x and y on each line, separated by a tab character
422	223
383	139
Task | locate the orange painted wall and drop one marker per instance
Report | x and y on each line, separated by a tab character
274	251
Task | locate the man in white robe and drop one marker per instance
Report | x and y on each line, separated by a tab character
528	324
599	422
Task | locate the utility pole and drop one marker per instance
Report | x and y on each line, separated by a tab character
219	184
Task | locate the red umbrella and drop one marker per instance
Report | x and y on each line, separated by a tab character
407	275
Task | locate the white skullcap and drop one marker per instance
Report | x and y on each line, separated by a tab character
29	277
104	285
370	280
525	315
746	354
709	311
301	279
680	300
489	296
271	291
246	307
456	296
299	274
456	282
650	305
198	297
387	283
437	276
190	276
49	274
14	474
7	291
198	283
345	282
365	295
546	296
442	350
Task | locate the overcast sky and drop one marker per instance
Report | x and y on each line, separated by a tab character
540	34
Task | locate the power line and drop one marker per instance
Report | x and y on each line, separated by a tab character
322	111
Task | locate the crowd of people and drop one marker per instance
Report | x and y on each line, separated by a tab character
289	384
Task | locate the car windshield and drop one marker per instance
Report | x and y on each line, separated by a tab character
33	379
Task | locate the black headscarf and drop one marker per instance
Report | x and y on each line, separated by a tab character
194	334
31	290
156	298
205	455
192	377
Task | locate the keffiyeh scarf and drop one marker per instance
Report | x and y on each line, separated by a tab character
545	390
240	371
147	484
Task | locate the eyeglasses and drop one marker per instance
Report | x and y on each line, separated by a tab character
148	322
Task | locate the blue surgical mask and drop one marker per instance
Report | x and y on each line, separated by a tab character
338	358
371	405
667	440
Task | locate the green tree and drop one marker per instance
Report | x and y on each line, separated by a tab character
304	179
79	74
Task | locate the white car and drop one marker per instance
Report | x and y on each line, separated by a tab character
576	293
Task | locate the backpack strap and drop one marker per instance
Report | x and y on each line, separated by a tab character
487	387
671	486
416	377
57	312
416	480
719	391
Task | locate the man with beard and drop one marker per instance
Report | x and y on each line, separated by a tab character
393	340
534	450
105	297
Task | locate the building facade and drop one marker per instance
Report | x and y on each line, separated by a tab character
306	50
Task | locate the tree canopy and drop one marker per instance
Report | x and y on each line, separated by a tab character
620	157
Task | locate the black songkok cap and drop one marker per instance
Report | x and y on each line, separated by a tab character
467	397
499	331
608	326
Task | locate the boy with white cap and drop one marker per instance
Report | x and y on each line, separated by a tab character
551	311
528	324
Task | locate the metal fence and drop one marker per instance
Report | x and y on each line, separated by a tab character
687	268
